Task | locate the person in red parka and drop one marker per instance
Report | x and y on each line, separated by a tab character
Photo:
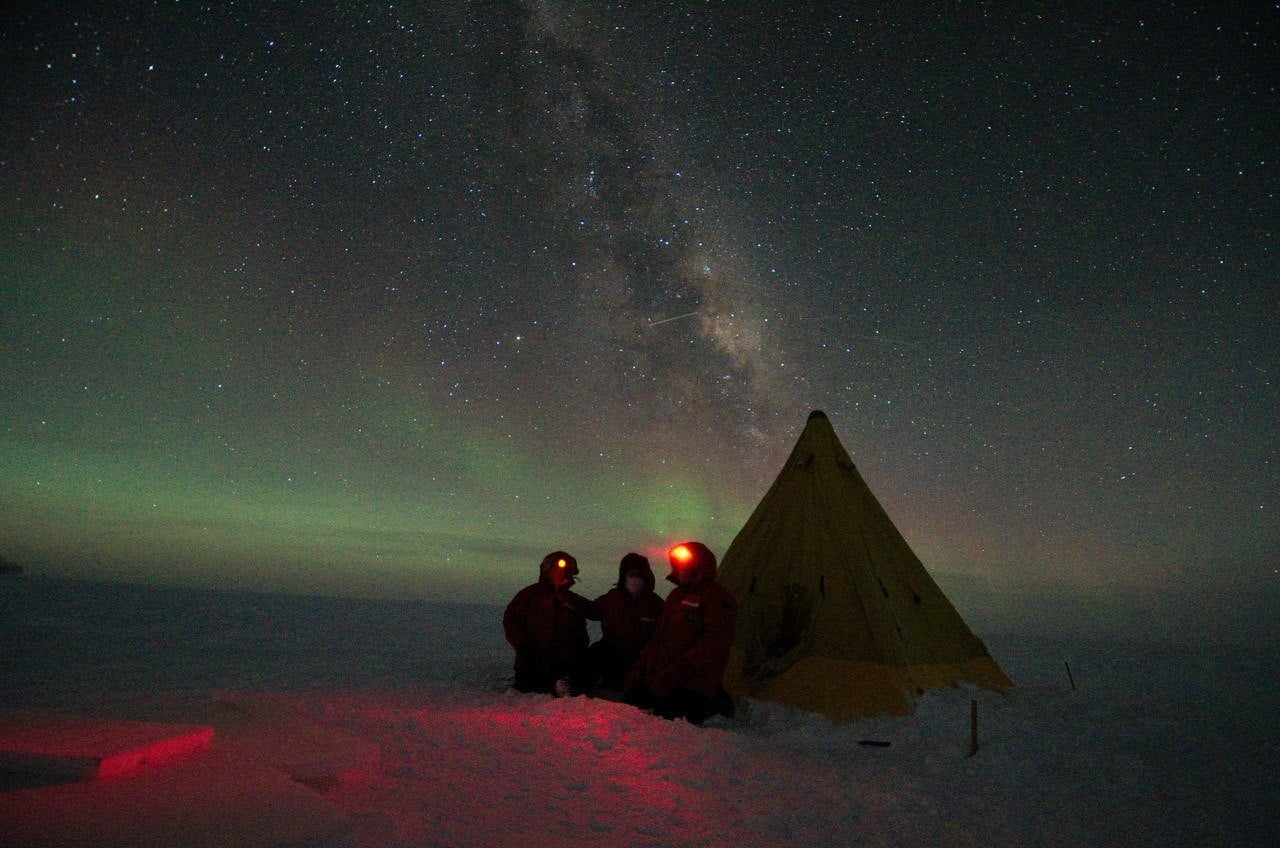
679	672
628	613
546	624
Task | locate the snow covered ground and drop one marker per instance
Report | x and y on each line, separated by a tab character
395	718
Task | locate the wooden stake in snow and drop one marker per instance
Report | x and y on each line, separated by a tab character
973	727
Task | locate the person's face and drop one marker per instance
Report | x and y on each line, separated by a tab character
561	575
635	584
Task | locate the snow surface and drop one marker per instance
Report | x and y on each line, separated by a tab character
396	717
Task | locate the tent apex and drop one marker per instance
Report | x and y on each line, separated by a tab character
817	413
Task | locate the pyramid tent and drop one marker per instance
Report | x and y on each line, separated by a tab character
836	614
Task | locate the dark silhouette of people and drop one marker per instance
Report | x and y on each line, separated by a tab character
628	614
546	624
679	672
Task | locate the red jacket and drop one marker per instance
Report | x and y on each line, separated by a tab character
690	645
547	628
627	623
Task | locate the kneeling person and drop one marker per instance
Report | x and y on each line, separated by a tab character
679	671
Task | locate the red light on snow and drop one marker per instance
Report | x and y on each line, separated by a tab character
85	748
163	751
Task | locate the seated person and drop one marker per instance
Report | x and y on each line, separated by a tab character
628	613
546	623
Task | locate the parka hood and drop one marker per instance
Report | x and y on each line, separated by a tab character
635	562
695	557
552	560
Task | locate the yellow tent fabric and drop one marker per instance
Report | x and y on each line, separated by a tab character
836	614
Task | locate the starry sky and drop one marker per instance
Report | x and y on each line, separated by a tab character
390	299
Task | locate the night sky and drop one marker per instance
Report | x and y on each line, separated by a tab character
391	299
